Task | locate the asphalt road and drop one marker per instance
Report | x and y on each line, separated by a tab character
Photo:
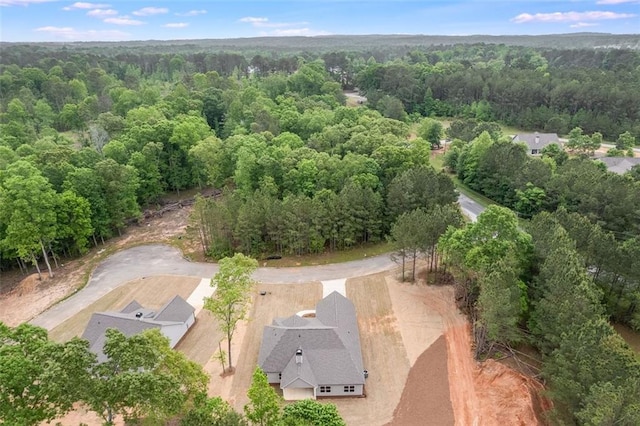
469	207
158	259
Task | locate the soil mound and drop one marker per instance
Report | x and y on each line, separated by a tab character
425	399
506	396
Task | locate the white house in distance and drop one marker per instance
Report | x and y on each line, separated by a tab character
174	320
315	357
535	142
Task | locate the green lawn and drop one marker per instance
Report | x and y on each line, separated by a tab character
356	253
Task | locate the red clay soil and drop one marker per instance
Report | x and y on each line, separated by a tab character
508	397
489	393
425	399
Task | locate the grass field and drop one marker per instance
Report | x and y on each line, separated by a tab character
356	253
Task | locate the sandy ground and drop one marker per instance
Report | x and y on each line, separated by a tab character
31	296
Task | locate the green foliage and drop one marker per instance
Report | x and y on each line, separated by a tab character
230	301
309	412
28	210
480	245
142	377
431	131
39	379
264	403
502	302
212	412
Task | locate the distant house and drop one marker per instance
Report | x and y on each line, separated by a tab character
174	320
535	142
620	165
312	357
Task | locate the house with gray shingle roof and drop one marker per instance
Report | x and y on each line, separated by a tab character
174	320
312	357
620	165
535	142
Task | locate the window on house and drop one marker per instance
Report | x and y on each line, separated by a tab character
534	151
349	388
325	389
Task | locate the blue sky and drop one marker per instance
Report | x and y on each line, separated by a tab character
54	20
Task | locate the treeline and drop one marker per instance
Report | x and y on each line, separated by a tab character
396	45
525	90
553	90
287	137
504	172
536	288
359	211
598	208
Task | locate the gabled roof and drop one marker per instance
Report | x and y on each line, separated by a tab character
536	140
134	319
620	165
330	345
177	309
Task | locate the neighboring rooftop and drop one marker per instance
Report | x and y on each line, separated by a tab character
536	141
620	165
134	318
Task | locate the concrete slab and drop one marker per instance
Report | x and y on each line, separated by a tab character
203	290
329	286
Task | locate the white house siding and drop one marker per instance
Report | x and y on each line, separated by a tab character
174	333
273	377
296	394
190	321
338	390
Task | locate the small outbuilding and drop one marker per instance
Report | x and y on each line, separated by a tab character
315	357
174	320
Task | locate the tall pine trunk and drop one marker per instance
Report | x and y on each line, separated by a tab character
35	263
46	259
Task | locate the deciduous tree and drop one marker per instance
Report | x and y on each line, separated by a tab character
264	403
229	303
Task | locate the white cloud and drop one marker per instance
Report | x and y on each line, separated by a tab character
22	2
176	25
617	1
146	11
192	13
68	33
84	5
100	13
123	20
570	16
264	23
583	25
253	20
293	32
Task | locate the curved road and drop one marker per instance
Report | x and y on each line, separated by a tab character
158	259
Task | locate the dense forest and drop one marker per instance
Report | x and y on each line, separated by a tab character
93	134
